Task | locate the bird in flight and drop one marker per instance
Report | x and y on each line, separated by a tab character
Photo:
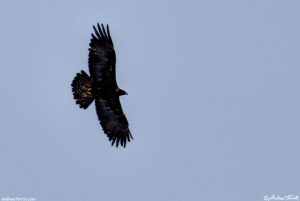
102	87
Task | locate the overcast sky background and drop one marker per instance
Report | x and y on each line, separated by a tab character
213	105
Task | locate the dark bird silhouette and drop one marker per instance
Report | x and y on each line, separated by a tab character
102	87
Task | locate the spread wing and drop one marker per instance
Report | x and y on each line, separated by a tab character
102	56
113	120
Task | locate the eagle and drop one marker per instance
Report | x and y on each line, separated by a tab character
101	86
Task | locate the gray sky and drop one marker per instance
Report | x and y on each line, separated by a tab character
213	105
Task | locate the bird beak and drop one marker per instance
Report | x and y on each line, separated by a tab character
126	93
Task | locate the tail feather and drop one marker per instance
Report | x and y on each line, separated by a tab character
82	87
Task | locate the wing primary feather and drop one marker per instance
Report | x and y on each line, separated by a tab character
118	140
108	33
99	28
93	36
128	138
125	142
113	142
104	30
84	73
97	33
122	141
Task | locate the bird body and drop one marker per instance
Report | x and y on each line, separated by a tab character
102	87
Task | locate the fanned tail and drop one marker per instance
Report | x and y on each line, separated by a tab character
82	89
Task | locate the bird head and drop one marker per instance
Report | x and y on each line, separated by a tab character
121	92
